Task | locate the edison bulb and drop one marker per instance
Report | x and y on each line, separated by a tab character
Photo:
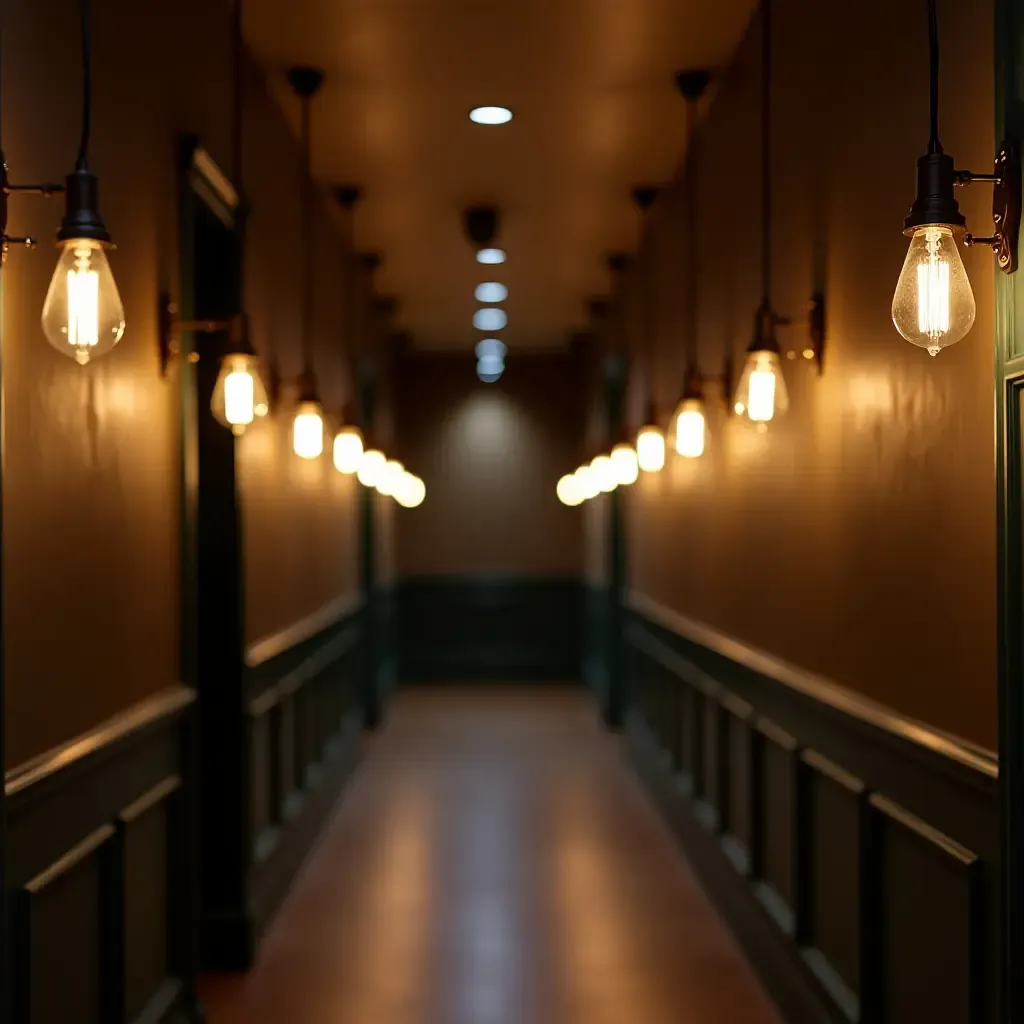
239	395
761	395
624	463
82	315
586	483
348	449
934	305
390	477
568	490
604	473
411	491
691	428
650	448
308	431
371	465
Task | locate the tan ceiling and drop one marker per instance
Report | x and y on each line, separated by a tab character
596	113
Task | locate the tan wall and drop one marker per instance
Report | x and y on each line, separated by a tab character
490	456
856	538
91	456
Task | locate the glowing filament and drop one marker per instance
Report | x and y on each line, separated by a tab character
761	399
83	302
239	398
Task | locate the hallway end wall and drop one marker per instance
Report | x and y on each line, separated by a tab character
489	567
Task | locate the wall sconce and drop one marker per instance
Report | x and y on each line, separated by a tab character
371	467
625	462
933	306
82	314
239	396
690	421
348	445
586	482
761	395
411	491
308	425
603	473
650	443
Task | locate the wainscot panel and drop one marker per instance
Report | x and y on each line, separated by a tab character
853	851
305	715
102	873
490	627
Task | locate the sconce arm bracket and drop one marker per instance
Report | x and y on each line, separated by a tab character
7	190
815	323
1006	205
171	327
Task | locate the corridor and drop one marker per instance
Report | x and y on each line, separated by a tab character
494	862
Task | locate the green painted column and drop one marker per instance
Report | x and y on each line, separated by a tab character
1009	371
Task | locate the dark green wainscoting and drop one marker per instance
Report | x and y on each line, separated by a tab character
854	852
100	880
511	628
304	718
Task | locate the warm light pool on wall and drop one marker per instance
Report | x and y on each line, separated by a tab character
933	306
82	314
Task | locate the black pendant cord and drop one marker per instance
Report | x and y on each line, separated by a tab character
307	237
766	153
934	146
692	263
237	98
82	163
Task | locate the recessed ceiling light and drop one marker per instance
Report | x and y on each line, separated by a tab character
490	364
490	115
490	256
491	291
488	376
490	319
490	347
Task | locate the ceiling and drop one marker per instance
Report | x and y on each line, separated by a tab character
596	113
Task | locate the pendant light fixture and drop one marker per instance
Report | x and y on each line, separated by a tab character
933	306
623	458
650	438
348	439
308	426
761	395
239	395
689	422
82	315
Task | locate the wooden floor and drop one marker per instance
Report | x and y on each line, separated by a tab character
494	862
